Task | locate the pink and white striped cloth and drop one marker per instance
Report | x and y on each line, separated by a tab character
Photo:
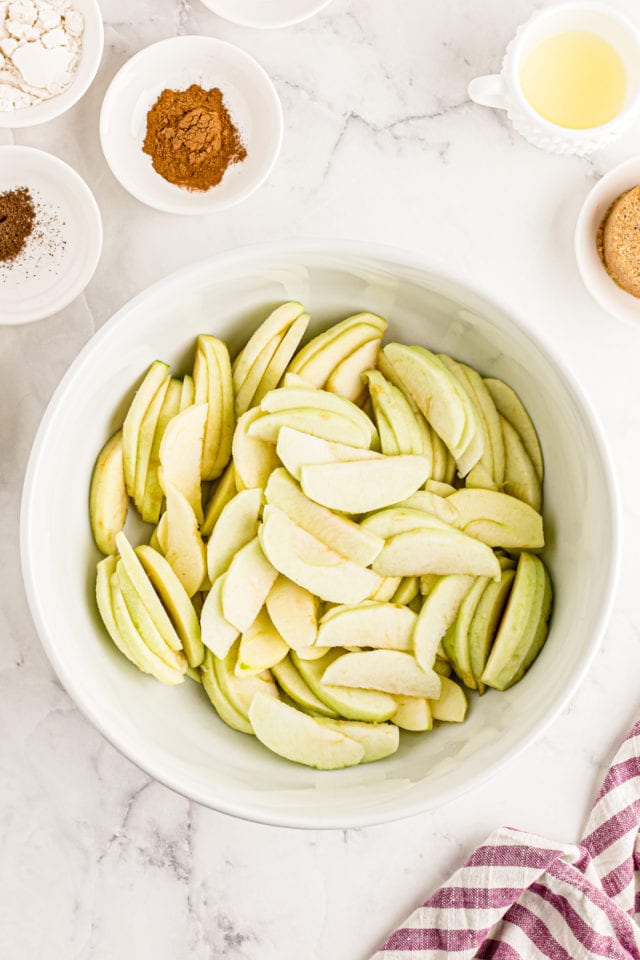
521	897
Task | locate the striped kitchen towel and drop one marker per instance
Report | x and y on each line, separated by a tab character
521	897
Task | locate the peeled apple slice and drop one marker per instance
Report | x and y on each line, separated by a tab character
181	455
386	670
296	450
379	740
418	552
236	526
371	706
293	611
369	624
246	585
155	376
363	486
108	500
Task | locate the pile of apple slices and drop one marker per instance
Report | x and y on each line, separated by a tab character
370	531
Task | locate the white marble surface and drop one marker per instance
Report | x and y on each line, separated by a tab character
96	860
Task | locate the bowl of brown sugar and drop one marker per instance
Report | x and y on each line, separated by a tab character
191	125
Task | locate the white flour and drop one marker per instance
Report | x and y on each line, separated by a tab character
40	46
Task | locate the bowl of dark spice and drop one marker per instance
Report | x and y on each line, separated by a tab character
50	234
191	125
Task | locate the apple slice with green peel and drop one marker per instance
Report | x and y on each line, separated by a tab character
319	423
542	630
275	326
394	520
213	386
417	552
254	459
347	378
498	519
389	671
519	623
188	393
485	623
290	680
261	646
142	656
294	613
443	667
407	592
225	710
185	549
459	372
311	564
413	713
296	450
217	633
427	582
225	490
389	372
144	589
246	585
369	624
295	736
176	601
155	376
520	477
236	526
318	359
282	357
390	402
509	406
153	494
387	589
438	612
439	488
379	740
143	623
312	653
181	455
491	419
432	504
388	441
246	391
292	398
362	486
339	533
440	459
159	535
240	691
104	572
295	380
452	703
371	706
145	442
456	639
108	500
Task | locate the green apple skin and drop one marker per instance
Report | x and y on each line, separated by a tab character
486	460
187	397
247	584
363	486
235	527
143	657
274	327
290	680
418	552
295	736
485	622
176	601
246	391
144	589
387	589
144	625
391	521
225	710
379	740
387	626
151	505
108	499
498	519
407	592
154	377
282	357
294	398
520	477
368	705
543	624
491	418
240	691
456	639
224	491
324	424
413	714
104	573
452	704
145	442
218	635
509	406
390	404
320	357
439	611
443	667
214	385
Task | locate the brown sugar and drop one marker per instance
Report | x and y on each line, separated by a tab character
619	241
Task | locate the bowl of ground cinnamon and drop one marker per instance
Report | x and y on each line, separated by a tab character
191	125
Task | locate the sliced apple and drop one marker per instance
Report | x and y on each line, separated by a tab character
428	582
438	612
433	550
391	403
312	653
433	504
275	326
261	646
296	398
498	519
456	639
369	624
413	713
389	671
439	488
452	704
282	357
240	691
491	419
188	392
388	441
181	455
224	491
246	392
290	680
440	459
509	406
236	526
246	586
341	534
176	601
443	667
254	459
407	592
153	494
217	633
520	477
363	486
104	572
485	623
143	657
379	740
311	564
319	358
143	623
294	613
108	500
543	626
147	594
485	463
320	423
155	376
213	386
387	589
394	520
347	378
185	549
225	710
145	441
297	449
371	706
295	736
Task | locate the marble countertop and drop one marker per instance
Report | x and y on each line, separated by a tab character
381	143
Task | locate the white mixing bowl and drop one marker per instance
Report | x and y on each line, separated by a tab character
174	733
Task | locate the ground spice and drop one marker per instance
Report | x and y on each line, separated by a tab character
17	216
191	138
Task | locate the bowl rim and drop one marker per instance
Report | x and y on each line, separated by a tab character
250	811
59	105
277	23
208	205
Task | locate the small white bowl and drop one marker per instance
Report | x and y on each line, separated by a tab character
602	288
54	269
92	47
266	13
175	64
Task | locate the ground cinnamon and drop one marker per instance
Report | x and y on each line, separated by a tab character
191	137
17	215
